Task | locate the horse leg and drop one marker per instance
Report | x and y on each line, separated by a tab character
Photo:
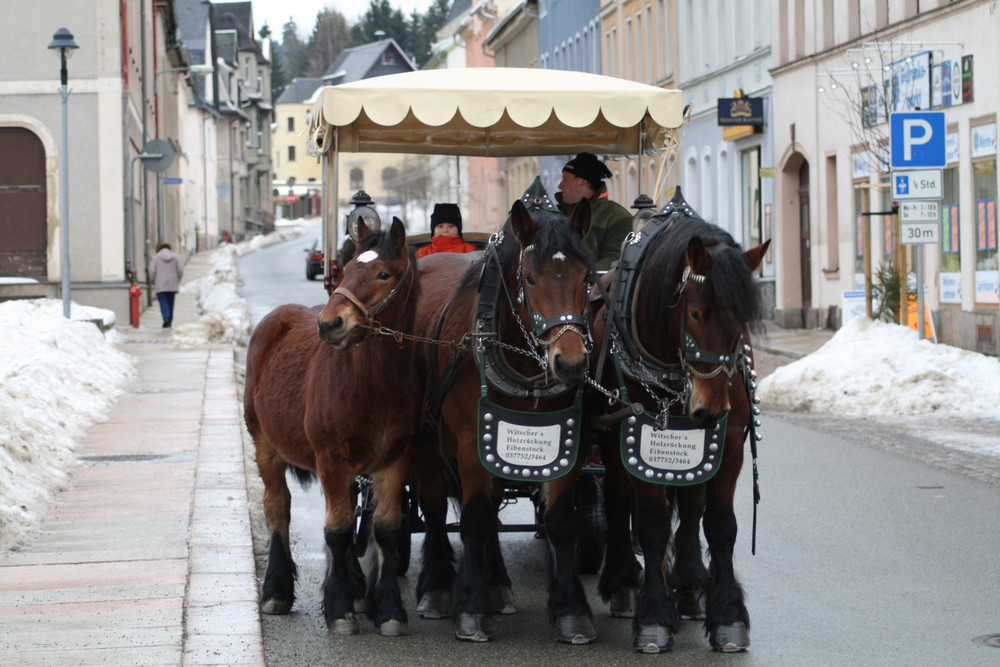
688	576
278	592
619	581
473	610
656	619
344	581
437	574
727	622
384	599
497	577
567	604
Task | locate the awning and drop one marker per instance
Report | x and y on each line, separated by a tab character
495	111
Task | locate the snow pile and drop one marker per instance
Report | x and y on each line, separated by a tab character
57	377
872	368
225	316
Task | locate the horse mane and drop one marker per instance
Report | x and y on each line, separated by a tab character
731	284
554	235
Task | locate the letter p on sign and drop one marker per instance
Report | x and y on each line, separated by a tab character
917	139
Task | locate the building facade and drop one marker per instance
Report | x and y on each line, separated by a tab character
838	76
133	81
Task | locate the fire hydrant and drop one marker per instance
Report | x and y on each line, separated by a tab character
134	292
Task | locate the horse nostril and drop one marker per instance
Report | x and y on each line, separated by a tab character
327	327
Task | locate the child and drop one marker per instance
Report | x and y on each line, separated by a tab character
446	232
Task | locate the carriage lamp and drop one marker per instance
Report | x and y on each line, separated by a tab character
364	211
63	40
644	210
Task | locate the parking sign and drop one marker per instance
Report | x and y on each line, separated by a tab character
917	139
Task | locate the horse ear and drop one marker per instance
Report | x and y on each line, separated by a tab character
581	218
698	257
397	234
523	224
754	256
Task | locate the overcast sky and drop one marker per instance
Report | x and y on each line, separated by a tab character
276	12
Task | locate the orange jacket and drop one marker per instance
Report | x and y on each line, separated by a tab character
446	244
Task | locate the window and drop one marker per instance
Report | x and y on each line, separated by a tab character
291	123
950	274
357	178
291	153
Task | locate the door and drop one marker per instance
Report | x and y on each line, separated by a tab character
805	263
22	204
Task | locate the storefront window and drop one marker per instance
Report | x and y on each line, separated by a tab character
951	258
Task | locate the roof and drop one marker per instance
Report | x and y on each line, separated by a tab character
300	90
495	111
239	16
367	61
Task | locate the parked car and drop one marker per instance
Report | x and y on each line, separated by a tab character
314	261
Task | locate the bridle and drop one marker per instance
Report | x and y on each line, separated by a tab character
369	313
690	351
486	330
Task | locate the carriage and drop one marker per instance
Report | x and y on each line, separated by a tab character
492	112
674	345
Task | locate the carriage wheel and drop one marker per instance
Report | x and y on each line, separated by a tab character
591	524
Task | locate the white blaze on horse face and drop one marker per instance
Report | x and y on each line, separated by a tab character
367	256
559	256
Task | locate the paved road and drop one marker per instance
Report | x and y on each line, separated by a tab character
873	548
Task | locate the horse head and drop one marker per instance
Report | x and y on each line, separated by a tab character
712	321
377	281
553	272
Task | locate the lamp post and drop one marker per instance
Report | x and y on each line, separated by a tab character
63	40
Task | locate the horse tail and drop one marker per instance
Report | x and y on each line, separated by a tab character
305	477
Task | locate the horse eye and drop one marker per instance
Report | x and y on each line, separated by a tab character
695	315
530	279
383	275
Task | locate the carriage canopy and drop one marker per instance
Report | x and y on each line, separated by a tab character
495	112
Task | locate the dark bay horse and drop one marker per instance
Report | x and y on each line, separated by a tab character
683	302
325	398
518	318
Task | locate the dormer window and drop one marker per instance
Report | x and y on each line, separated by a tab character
388	58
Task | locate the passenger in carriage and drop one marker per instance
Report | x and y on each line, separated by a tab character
446	232
583	178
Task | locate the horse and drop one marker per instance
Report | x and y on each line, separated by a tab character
519	340
677	328
324	397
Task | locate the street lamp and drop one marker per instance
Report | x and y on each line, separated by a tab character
63	40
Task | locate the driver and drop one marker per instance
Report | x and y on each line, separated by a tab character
583	178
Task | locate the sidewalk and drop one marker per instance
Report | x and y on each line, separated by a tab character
147	559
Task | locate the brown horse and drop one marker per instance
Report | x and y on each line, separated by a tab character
319	402
521	308
683	300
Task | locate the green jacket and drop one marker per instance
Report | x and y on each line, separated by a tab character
609	225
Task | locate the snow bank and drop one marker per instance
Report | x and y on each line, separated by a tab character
57	377
225	316
872	368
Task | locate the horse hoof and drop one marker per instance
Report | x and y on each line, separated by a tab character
474	627
624	602
689	604
435	604
652	639
502	599
730	638
575	630
345	626
393	628
276	607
